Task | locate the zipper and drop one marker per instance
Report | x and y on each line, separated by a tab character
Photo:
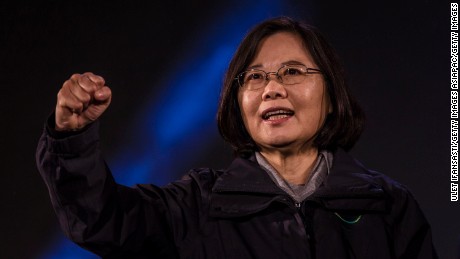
297	205
307	226
301	218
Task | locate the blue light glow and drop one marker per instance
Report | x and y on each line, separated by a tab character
187	106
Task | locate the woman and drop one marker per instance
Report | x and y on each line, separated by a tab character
291	192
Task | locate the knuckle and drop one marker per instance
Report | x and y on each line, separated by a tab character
61	96
79	106
75	77
66	85
85	98
87	84
67	82
61	102
98	80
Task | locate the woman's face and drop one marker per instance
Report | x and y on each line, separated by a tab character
302	107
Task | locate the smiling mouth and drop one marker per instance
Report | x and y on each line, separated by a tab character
277	114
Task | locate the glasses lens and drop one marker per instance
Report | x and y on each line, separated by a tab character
253	79
292	74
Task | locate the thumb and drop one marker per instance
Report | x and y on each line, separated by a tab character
101	101
103	95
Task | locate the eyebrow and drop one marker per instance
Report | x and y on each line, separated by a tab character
289	62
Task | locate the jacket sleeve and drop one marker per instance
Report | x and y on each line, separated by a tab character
411	231
108	219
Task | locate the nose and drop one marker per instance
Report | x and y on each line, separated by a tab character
274	88
276	77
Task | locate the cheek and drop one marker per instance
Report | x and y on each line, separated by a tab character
312	103
248	107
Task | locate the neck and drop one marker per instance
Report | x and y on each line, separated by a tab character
294	167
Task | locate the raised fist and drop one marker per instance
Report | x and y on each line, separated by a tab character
81	100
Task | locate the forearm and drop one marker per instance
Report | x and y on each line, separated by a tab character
92	209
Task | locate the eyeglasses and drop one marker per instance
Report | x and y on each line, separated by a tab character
288	75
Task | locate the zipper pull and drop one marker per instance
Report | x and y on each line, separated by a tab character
297	205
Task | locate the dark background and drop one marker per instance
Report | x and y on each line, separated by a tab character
396	56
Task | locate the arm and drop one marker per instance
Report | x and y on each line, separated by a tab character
94	211
412	232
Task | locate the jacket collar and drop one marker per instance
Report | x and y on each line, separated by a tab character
245	175
350	186
245	188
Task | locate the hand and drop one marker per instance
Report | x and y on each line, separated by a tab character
81	100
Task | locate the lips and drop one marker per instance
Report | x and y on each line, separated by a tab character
276	113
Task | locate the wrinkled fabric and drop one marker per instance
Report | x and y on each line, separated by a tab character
234	213
300	192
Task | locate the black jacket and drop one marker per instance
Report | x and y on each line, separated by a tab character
236	213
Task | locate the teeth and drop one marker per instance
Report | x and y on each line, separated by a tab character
278	114
274	112
276	117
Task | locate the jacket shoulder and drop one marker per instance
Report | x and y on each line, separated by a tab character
348	169
198	181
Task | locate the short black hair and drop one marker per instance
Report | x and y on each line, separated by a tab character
342	128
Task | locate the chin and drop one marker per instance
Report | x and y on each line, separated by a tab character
283	143
280	143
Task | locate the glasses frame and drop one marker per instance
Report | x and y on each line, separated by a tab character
308	70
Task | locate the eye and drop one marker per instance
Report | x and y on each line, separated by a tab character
292	71
253	76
